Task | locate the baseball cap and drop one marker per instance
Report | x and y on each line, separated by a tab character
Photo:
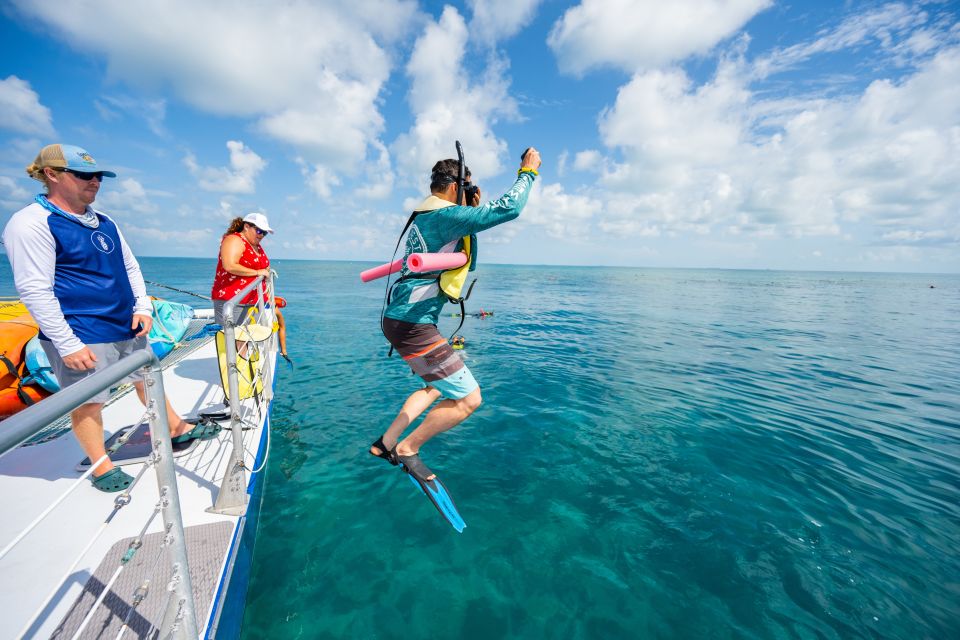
258	220
66	156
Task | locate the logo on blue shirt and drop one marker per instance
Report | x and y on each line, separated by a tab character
102	241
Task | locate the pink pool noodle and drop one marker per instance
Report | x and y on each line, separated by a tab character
420	262
383	270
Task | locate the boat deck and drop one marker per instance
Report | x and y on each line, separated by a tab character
32	477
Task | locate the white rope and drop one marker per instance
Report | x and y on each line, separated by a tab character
115	447
96	605
159	324
262	354
266	453
69	572
46	512
124	559
141	592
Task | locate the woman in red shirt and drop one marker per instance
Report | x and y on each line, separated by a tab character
241	260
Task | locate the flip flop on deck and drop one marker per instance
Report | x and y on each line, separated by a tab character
205	430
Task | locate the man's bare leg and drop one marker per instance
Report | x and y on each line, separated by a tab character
87	422
446	415
416	404
178	426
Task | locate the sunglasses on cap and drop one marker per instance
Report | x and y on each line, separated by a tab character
81	175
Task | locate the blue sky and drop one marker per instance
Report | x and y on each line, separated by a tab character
693	133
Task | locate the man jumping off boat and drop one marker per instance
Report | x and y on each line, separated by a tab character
83	286
440	224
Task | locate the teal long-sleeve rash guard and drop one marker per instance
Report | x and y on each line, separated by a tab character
419	300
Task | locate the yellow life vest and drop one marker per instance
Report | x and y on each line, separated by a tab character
452	280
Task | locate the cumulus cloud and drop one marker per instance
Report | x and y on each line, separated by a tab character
560	214
20	109
239	177
497	20
125	195
13	196
695	156
382	178
447	106
308	73
589	160
725	156
641	35
320	179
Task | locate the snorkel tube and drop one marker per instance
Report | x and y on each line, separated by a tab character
461	174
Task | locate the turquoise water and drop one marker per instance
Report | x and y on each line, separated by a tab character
660	453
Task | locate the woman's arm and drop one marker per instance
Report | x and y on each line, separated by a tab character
231	250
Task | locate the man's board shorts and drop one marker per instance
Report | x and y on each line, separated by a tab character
106	353
431	357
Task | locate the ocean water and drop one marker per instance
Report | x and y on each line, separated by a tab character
660	454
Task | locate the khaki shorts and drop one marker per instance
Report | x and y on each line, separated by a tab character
106	353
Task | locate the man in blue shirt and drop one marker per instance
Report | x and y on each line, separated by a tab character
83	286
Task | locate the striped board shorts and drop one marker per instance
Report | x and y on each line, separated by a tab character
430	357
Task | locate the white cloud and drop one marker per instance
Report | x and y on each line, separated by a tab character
888	25
13	197
498	20
152	112
380	181
920	237
124	195
320	179
336	127
151	240
309	73
562	215
726	155
20	109
448	106
239	177
562	162
589	160
11	189
644	34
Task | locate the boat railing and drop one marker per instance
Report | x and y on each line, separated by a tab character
179	619
254	335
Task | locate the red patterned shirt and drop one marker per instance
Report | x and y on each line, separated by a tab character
226	285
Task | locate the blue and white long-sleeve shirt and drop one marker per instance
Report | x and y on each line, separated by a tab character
82	285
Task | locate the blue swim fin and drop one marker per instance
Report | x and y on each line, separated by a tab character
437	494
434	490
